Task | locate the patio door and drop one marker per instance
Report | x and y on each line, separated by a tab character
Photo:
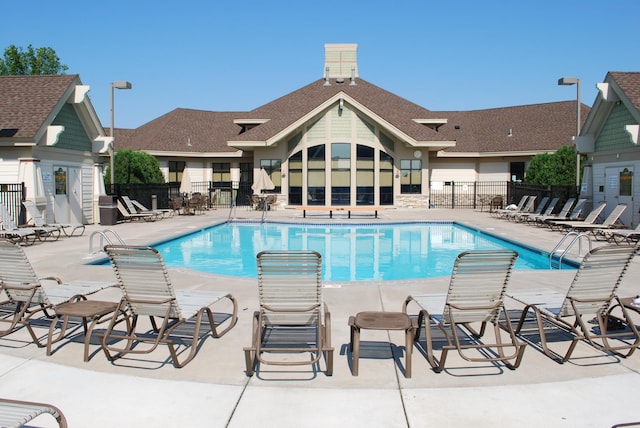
619	190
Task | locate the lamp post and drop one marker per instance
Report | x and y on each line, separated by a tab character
121	84
568	81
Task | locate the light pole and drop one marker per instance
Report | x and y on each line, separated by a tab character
568	81
121	84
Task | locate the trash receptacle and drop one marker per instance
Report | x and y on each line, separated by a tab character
108	210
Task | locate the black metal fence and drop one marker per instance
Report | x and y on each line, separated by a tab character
450	194
219	196
11	196
478	194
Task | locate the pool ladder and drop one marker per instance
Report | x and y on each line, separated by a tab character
104	236
559	252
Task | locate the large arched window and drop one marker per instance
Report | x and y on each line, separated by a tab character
295	179
365	168
316	175
340	174
386	179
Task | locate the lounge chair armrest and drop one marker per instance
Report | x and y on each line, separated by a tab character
51	278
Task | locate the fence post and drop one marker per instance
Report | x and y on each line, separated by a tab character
453	194
475	196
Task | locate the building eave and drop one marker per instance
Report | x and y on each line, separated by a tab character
161	153
443	154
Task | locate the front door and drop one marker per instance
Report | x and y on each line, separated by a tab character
619	190
68	195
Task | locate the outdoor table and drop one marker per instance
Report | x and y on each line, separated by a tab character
376	320
96	310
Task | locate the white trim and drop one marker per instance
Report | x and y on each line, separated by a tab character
79	94
53	134
335	99
633	131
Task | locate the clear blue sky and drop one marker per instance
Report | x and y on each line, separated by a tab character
237	55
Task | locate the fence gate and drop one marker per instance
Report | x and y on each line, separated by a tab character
12	195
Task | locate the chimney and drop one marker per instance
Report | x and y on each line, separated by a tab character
341	61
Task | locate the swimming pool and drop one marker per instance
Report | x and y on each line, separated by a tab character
363	252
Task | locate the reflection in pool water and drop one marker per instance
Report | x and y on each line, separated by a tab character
363	252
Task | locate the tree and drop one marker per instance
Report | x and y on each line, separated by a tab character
134	167
38	61
558	168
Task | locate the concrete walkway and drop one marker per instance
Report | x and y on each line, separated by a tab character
591	390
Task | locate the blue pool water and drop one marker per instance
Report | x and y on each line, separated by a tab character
350	252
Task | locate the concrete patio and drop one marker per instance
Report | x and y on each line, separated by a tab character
593	389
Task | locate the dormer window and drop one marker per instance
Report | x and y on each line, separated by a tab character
247	124
434	124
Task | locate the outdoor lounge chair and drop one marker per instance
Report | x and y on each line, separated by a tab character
621	235
164	212
506	210
16	413
525	214
130	216
539	212
611	222
293	317
148	292
135	207
591	293
33	295
591	218
39	221
561	215
24	235
476	289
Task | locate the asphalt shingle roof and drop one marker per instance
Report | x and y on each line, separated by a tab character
27	101
629	82
533	127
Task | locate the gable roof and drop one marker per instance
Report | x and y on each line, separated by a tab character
534	128
27	102
629	83
617	88
289	111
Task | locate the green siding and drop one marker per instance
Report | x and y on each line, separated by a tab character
613	135
317	131
74	136
364	130
340	123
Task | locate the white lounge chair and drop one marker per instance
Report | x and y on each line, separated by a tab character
591	293
621	235
130	216
24	235
16	413
476	290
536	215
135	206
523	216
591	218
293	317
148	292
611	222
76	229
561	215
33	295
507	210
